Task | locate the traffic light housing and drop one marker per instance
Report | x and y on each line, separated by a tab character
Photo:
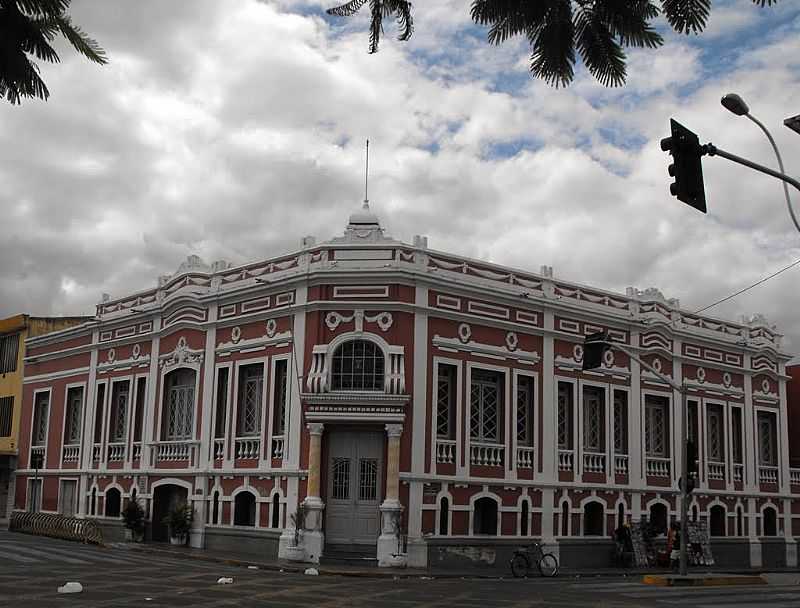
686	167
594	346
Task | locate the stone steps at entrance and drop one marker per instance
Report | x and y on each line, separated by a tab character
350	556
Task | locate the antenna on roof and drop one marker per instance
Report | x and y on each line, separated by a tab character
366	180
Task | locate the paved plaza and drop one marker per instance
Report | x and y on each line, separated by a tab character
34	567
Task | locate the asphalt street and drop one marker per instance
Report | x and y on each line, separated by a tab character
32	568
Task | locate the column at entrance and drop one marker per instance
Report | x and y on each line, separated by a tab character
389	546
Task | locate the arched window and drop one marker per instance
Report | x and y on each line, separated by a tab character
565	518
358	365
770	519
739	522
523	519
215	509
484	519
276	511
244	509
620	515
444	516
593	515
113	502
658	518
717	521
178	408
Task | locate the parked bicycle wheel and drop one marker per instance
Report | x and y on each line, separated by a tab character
548	565
520	565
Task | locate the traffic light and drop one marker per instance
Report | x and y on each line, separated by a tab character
594	345
686	167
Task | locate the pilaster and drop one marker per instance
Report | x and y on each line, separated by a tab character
295	414
549	470
87	433
635	445
205	457
749	423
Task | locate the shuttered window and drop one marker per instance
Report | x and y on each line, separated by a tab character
6	415
9	350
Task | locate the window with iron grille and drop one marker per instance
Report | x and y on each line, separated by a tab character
358	365
565	415
736	434
179	410
9	351
6	415
141	404
98	412
222	403
251	388
715	444
593	418
620	422
656	436
279	390
119	411
72	421
767	440
368	479
41	411
486	406
446	401
525	411
340	470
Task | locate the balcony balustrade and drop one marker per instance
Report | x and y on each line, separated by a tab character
794	476
525	457
277	447
738	472
487	454
566	460
70	453
445	451
219	449
115	452
594	462
657	467
768	474
247	447
621	464
137	450
716	471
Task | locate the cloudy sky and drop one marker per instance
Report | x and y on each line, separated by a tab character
231	129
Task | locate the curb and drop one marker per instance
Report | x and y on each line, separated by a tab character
703	581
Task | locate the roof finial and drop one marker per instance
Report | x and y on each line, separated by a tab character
366	180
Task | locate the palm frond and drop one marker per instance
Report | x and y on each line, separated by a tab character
39	8
405	20
375	24
601	53
552	45
687	16
79	40
346	10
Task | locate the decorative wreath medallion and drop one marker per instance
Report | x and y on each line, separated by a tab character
657	364
236	334
112	354
608	358
701	374
577	352
137	350
464	332
726	379
272	326
182	342
765	385
512	340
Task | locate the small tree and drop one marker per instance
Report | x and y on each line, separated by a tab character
179	520
133	516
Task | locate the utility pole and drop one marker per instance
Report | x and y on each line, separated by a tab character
593	348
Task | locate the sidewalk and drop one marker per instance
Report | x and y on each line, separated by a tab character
432	572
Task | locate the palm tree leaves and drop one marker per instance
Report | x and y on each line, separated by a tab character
26	29
380	10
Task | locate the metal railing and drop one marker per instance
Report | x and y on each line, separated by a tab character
56	526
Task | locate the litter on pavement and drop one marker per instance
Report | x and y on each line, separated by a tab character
311	571
225	580
71	587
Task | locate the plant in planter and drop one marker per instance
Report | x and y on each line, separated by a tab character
133	516
179	521
398	559
295	552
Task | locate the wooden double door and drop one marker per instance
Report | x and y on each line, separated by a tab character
355	477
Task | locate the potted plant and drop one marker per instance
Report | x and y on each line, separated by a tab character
179	521
133	516
397	559
295	552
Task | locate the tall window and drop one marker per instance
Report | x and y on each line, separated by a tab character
141	402
222	403
486	406
98	412
593	418
715	444
620	422
691	421
9	351
525	411
565	415
279	386
767	441
446	401
358	365
119	411
736	434
72	421
179	410
656	427
6	415
41	411
251	387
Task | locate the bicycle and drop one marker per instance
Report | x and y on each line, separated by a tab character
521	562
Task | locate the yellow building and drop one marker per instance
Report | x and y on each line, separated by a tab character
13	333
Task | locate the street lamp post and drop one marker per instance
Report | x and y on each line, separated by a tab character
736	105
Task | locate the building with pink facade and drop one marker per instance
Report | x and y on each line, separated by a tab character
425	408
